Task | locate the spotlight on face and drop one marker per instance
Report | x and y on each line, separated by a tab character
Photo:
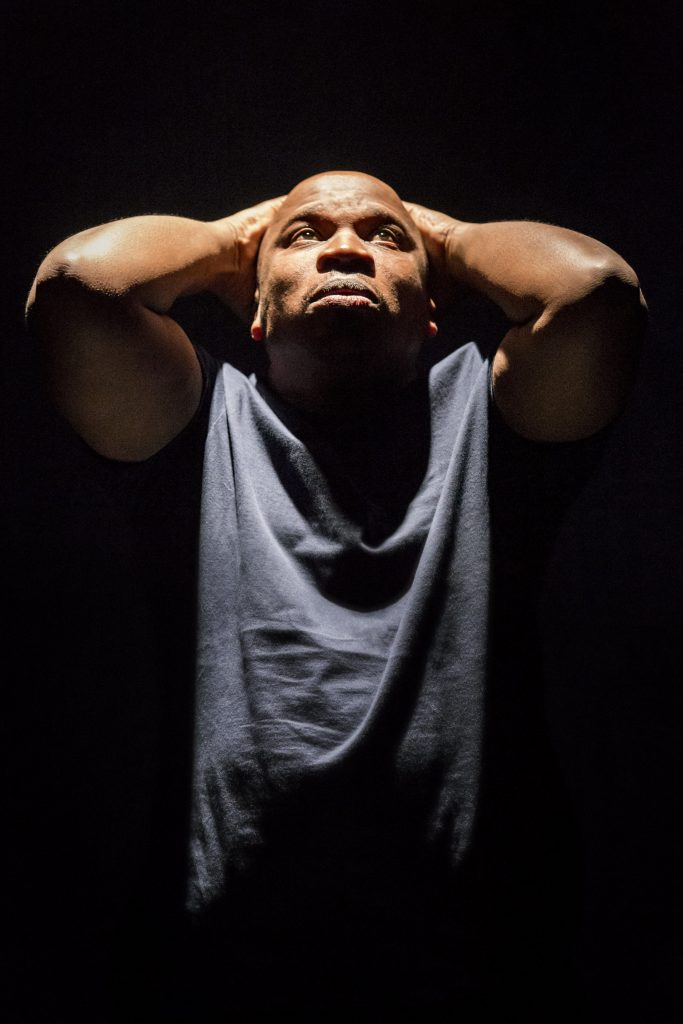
342	277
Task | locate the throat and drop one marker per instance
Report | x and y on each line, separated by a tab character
341	397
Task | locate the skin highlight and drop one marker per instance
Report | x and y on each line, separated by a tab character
340	279
342	301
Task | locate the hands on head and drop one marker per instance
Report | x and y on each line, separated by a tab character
117	283
341	278
437	231
237	286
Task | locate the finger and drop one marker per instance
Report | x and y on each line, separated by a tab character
268	206
423	218
260	214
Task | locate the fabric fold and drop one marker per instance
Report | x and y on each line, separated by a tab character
324	660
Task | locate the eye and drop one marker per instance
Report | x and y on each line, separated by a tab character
304	234
385	234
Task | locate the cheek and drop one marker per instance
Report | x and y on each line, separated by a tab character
410	295
286	281
403	278
281	298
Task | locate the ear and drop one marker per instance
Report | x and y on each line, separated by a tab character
256	329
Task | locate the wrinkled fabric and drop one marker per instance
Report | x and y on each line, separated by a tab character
341	659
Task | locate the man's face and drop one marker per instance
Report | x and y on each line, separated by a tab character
343	276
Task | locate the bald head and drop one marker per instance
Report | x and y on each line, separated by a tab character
344	183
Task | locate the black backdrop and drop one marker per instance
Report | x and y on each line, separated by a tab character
487	111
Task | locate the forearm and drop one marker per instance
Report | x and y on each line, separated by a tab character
527	267
149	260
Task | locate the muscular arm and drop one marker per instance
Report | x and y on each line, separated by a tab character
565	367
120	369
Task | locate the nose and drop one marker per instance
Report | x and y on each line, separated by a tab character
346	250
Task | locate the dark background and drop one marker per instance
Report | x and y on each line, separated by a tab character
487	111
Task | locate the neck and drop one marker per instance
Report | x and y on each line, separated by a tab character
334	395
331	380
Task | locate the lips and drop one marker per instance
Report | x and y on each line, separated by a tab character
351	289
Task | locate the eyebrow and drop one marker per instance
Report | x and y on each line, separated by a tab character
315	212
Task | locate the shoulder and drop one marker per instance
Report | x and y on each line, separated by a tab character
453	380
459	369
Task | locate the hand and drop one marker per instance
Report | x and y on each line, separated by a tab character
438	231
243	232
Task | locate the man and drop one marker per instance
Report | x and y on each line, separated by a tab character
342	736
127	378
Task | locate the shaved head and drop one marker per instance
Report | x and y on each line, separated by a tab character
342	301
345	181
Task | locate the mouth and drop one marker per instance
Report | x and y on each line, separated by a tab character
338	293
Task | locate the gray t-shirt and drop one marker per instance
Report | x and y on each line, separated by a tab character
341	663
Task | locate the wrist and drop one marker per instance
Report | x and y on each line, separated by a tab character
225	234
457	242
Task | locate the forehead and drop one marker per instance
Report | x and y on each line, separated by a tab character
337	194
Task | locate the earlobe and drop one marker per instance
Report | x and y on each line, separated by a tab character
432	327
256	329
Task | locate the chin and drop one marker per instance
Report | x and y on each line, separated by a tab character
358	341
346	317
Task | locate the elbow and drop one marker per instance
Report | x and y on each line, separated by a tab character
56	277
607	306
619	297
66	275
614	307
605	286
617	284
622	313
50	278
62	293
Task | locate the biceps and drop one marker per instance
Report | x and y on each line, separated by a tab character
126	378
568	373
